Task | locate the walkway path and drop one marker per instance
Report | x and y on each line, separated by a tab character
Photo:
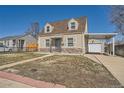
24	61
114	64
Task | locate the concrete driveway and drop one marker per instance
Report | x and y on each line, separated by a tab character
114	64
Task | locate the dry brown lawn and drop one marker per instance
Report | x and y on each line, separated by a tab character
71	71
6	58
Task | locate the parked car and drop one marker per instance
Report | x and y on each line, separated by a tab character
4	48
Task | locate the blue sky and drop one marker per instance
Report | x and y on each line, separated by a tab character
15	20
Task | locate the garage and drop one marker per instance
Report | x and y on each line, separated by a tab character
94	48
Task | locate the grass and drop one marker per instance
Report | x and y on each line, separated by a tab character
6	58
71	71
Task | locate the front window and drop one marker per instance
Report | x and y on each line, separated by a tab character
73	25
47	42
70	42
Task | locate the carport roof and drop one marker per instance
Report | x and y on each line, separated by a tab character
100	35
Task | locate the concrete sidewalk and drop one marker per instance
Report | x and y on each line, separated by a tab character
114	64
12	80
24	61
5	83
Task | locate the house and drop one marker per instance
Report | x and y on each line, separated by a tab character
71	36
1	43
19	42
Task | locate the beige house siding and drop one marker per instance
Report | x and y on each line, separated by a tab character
78	42
42	42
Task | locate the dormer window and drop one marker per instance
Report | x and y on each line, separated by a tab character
48	28
72	25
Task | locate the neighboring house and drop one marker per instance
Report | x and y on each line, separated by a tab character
1	43
71	36
19	42
119	45
119	49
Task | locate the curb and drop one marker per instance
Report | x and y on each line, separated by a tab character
29	81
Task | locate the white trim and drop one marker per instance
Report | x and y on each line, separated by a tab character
69	24
45	28
95	48
100	33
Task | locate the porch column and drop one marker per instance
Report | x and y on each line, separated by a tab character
83	43
103	47
113	45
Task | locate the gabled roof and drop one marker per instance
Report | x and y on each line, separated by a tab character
62	26
13	37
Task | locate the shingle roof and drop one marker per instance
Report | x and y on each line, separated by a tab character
62	26
11	37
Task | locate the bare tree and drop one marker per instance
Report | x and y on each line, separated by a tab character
33	29
117	17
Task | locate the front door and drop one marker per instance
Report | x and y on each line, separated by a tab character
58	44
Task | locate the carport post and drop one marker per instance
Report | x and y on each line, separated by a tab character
113	44
50	45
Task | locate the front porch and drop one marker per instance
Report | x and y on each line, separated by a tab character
103	43
18	45
61	44
56	44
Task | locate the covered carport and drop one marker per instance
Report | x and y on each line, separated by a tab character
100	43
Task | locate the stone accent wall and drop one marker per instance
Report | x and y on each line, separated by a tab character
71	50
63	50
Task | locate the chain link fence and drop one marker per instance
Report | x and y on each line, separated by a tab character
18	49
